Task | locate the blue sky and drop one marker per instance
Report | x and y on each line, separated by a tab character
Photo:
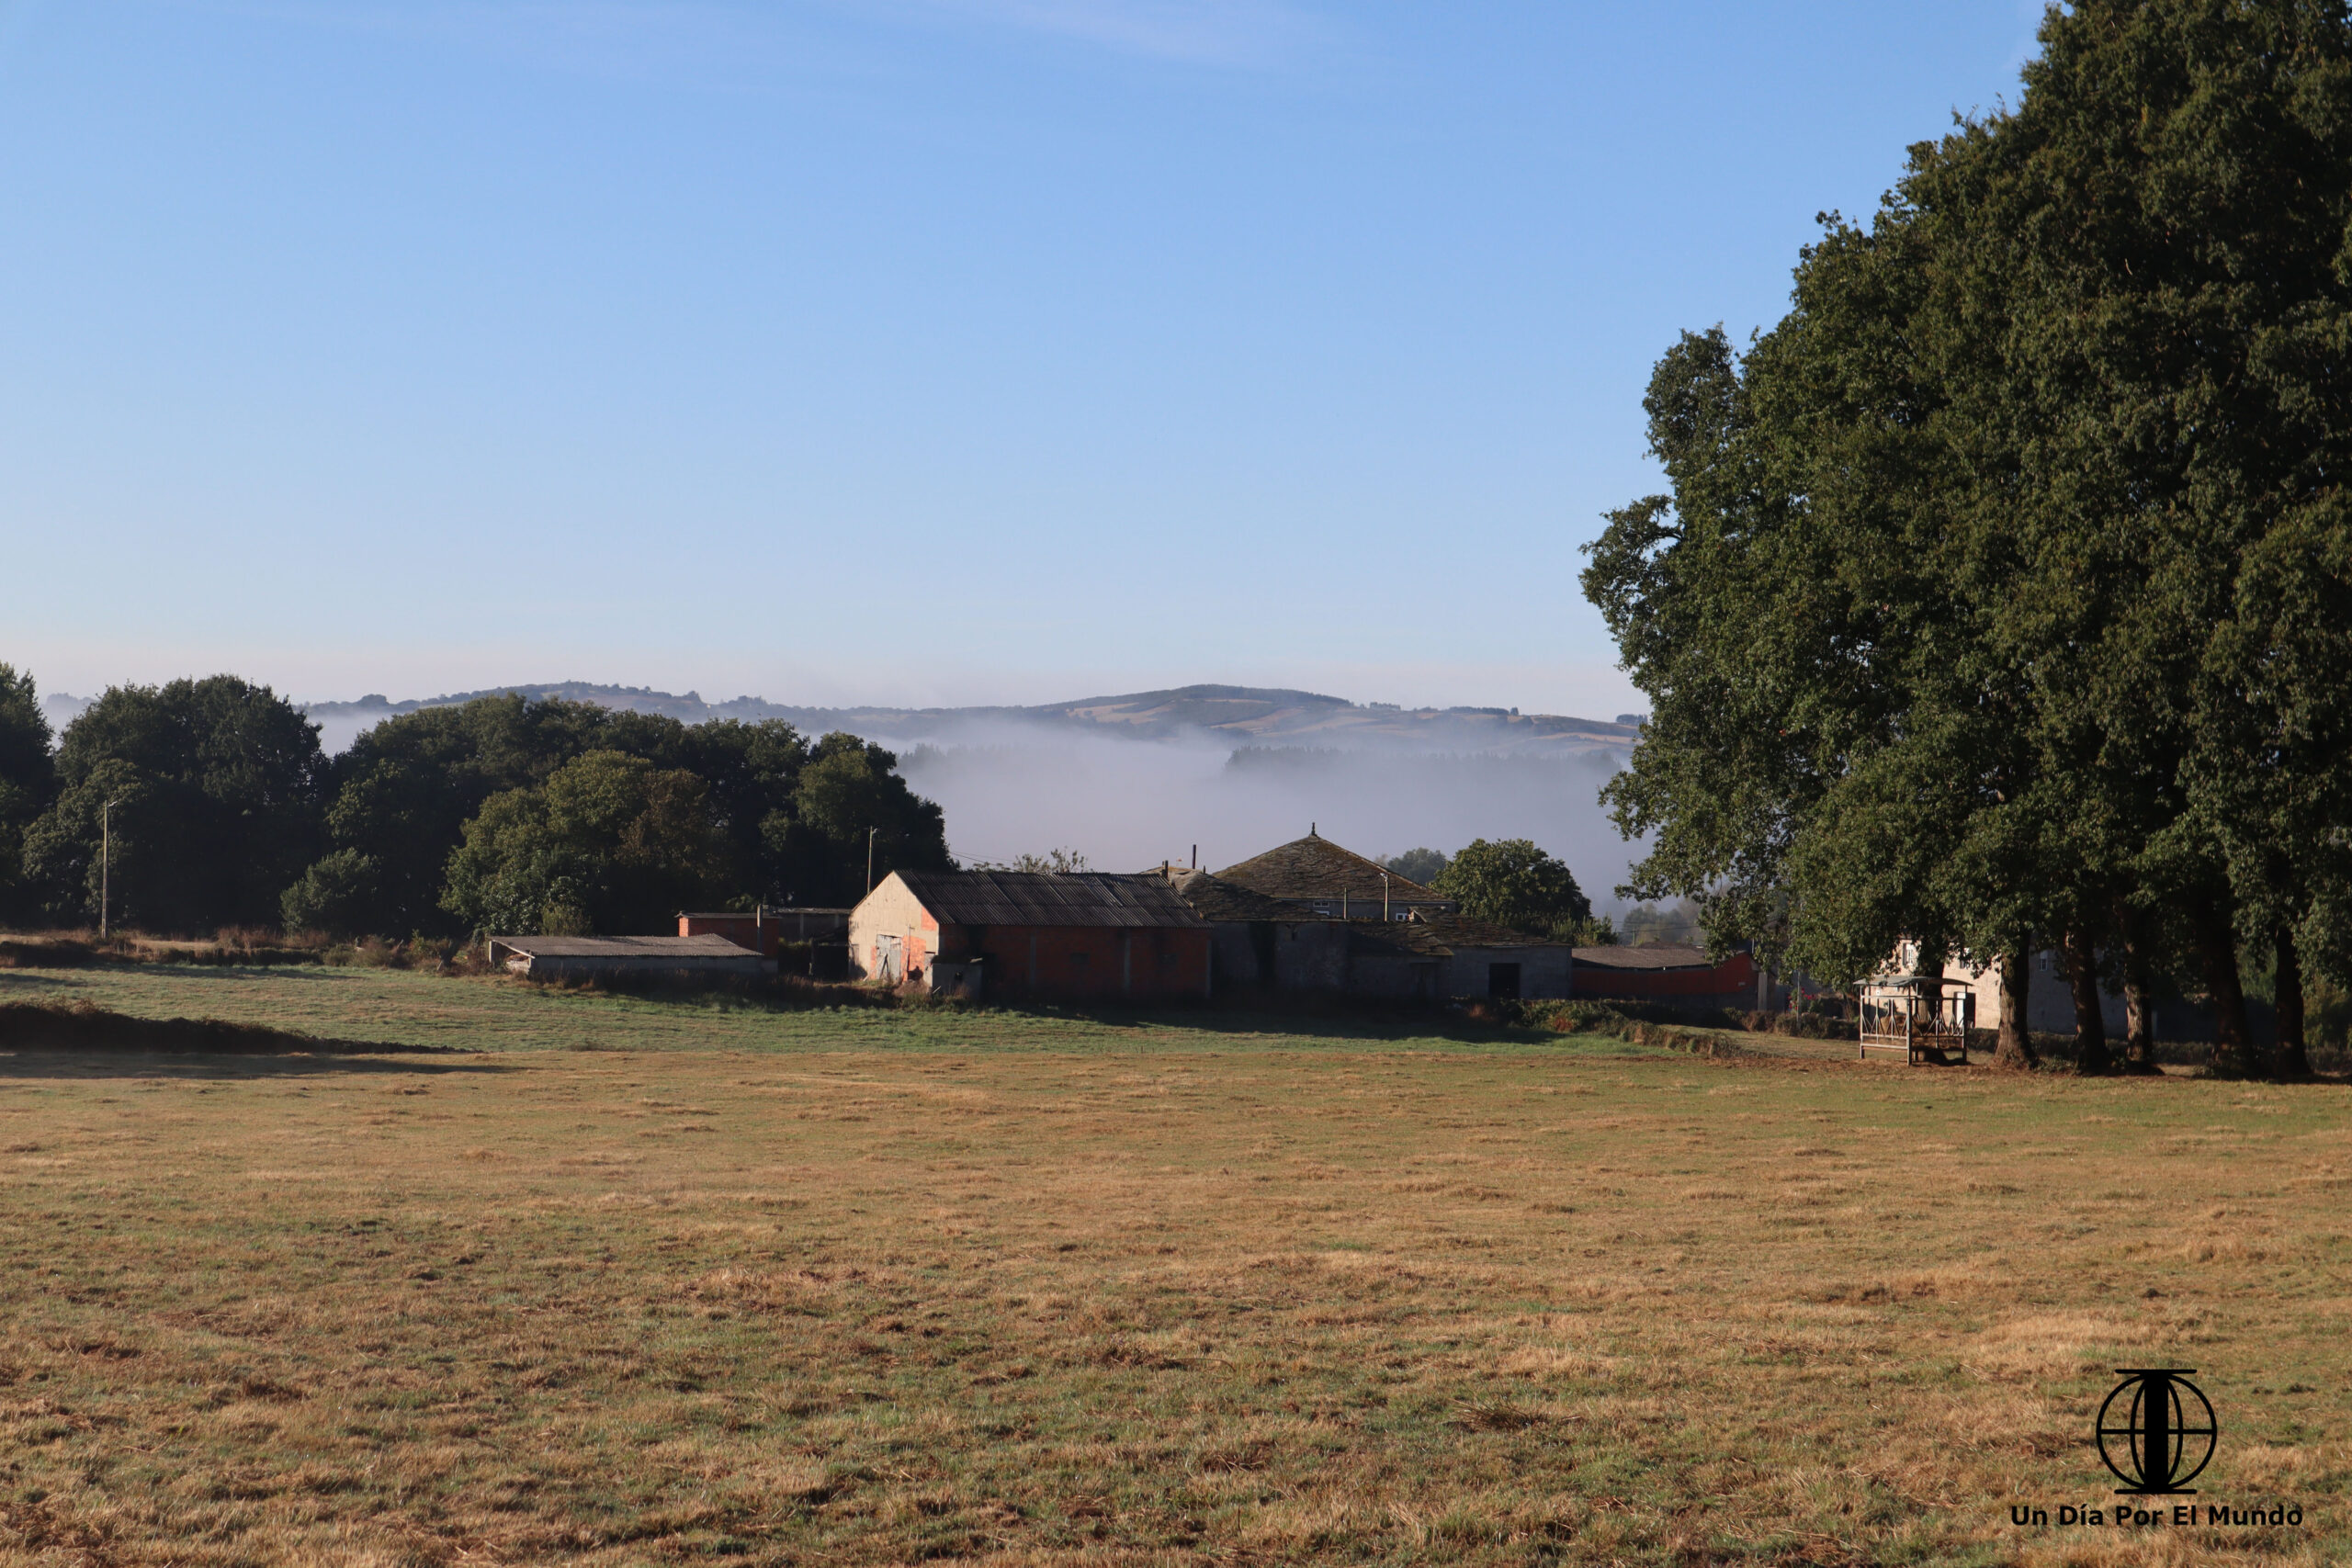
905	351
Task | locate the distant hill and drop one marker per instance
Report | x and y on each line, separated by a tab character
1243	715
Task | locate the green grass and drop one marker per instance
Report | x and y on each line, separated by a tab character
878	1287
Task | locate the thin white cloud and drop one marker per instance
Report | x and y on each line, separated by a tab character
658	35
1208	33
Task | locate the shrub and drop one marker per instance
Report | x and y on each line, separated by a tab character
333	896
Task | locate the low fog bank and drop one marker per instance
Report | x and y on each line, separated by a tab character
1125	804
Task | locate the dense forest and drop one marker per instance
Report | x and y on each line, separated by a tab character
209	803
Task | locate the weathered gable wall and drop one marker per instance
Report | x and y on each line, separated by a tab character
891	910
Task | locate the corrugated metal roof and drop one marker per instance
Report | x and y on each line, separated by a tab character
706	946
1315	867
1649	955
1045	898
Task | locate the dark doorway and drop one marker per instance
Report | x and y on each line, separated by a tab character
1502	979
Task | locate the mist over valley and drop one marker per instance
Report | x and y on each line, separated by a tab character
1128	781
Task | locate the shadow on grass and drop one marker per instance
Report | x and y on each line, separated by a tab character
1366	1025
65	1063
1320	1018
50	1035
38	980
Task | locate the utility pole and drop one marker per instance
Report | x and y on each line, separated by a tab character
869	860
105	863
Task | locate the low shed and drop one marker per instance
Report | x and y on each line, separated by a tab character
599	957
1668	973
766	929
1013	934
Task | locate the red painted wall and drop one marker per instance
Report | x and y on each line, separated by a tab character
744	931
1084	963
1733	974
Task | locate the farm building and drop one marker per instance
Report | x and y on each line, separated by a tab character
1013	934
1321	881
1976	997
764	930
607	957
1260	940
1668	973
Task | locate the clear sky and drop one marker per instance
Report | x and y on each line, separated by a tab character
902	351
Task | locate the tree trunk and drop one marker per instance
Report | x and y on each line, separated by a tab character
2235	1054
2139	992
2292	1060
2091	1054
2014	1048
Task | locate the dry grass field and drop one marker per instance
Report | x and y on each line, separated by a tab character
619	1281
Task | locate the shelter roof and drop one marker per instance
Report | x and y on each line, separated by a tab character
1048	898
1315	867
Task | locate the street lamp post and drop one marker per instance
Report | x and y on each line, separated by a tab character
106	864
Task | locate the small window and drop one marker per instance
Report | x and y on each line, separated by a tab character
1168	960
1502	979
1080	960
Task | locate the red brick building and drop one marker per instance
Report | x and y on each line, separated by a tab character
1013	935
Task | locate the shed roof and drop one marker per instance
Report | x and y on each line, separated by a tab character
646	947
1048	898
1459	930
1439	936
1649	955
1315	867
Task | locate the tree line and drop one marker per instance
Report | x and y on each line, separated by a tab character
210	804
1510	881
2001	597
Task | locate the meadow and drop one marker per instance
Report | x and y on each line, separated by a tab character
570	1277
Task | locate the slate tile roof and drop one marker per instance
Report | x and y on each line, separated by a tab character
1213	898
1316	868
1046	898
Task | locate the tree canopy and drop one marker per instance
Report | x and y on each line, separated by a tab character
216	788
28	780
1997	600
451	819
501	812
1512	883
1423	865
